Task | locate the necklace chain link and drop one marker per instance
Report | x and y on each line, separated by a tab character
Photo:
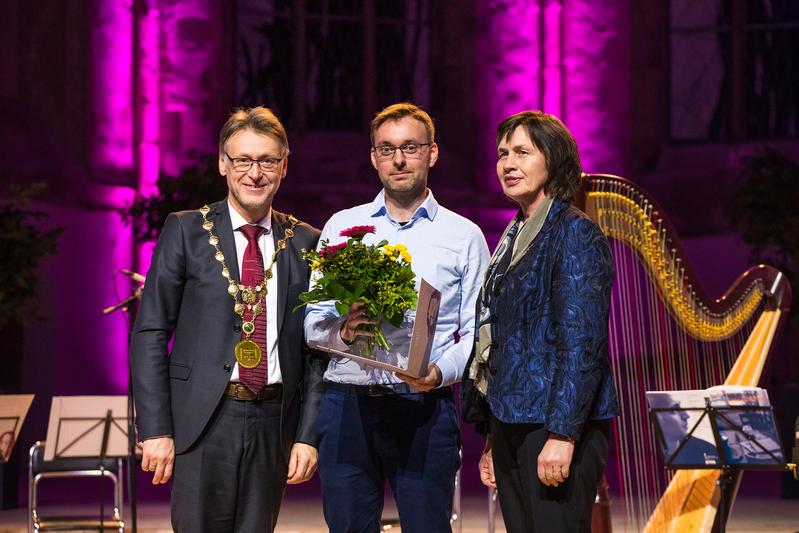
245	297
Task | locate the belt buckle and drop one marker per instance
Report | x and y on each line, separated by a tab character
376	391
241	392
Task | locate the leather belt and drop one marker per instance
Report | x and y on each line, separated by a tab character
240	391
386	389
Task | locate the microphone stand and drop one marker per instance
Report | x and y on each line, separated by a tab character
126	306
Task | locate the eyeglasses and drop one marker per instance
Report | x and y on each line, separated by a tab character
244	164
409	150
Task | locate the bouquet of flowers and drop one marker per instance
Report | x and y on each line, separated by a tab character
378	275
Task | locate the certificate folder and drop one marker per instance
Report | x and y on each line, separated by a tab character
421	341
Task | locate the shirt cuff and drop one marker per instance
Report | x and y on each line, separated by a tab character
333	338
449	371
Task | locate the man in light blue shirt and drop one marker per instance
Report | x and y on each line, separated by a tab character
376	425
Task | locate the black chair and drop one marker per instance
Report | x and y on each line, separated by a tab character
71	467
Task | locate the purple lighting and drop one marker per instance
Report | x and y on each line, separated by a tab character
147	115
507	60
552	97
595	80
112	85
563	58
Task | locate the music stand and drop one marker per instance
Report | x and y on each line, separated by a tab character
13	410
726	421
88	427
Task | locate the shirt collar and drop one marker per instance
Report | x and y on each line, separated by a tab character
428	209
237	221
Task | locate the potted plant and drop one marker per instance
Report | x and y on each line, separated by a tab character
22	246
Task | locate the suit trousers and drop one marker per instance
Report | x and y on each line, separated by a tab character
411	440
529	506
233	477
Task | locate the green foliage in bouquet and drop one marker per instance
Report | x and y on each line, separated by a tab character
378	275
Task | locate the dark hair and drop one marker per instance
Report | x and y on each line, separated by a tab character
401	110
258	119
552	137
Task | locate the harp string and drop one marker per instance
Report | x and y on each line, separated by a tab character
662	337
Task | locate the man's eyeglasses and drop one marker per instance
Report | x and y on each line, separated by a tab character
244	164
409	150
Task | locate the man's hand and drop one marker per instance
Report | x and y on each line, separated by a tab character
158	456
486	466
554	461
302	463
356	318
427	383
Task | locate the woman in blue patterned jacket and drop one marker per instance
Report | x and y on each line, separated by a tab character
539	381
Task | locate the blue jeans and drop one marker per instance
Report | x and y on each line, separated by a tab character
411	440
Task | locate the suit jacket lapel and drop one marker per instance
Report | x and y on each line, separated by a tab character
279	224
224	230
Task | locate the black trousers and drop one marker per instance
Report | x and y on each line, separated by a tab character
529	506
233	478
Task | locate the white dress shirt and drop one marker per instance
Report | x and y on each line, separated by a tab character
447	250
267	244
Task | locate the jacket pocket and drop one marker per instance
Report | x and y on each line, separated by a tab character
179	371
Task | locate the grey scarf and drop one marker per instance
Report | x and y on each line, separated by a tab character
527	231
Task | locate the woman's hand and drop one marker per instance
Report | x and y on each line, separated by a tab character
554	460
486	466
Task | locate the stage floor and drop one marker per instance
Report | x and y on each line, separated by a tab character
305	516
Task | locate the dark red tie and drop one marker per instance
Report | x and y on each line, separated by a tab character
252	273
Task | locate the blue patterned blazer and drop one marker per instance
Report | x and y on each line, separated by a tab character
549	324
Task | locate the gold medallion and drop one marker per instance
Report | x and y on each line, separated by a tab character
248	354
248	295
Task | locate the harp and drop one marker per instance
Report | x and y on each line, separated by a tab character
666	333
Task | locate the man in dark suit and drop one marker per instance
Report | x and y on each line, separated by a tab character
231	407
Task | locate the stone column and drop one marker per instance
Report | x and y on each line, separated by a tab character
111	85
596	82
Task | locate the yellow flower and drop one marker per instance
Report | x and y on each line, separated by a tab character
316	265
389	251
401	247
406	256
